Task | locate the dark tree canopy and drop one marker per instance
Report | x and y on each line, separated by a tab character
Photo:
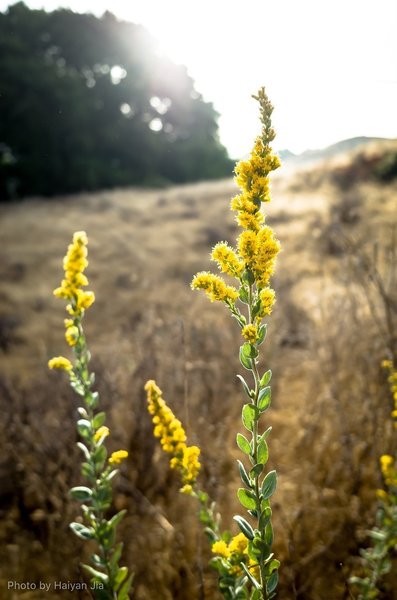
88	102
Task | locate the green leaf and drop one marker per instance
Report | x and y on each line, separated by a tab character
84	450
265	517
262	334
87	471
116	555
265	435
243	474
121	575
269	534
123	593
246	362
249	350
83	427
243	295
273	565
248	277
99	420
250	414
99	456
252	579
81	493
82	412
243	443
264	398
245	386
96	574
269	484
115	520
256	470
262	452
246	498
266	377
83	532
245	527
272	582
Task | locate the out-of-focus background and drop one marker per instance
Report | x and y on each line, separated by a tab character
102	129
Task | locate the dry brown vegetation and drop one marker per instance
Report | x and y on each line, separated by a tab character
327	336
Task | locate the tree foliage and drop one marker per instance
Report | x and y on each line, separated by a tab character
88	102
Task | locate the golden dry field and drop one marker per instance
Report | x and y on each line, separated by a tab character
327	336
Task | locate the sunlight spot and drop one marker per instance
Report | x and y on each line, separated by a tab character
156	124
127	110
161	105
117	74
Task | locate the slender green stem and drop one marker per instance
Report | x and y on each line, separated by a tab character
256	377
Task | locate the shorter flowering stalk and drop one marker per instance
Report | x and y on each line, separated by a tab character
377	562
230	552
109	581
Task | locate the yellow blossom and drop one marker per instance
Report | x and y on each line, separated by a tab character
238	544
72	335
267	297
243	203
214	286
172	437
250	221
60	362
117	457
250	333
221	548
247	245
102	432
74	263
187	489
227	259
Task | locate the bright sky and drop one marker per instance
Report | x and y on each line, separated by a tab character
329	66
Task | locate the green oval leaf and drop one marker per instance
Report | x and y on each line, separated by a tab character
266	377
245	527
272	582
256	470
269	484
263	452
243	474
246	362
264	398
249	414
83	532
243	443
99	420
81	493
246	498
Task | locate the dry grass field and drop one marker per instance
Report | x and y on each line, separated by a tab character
327	336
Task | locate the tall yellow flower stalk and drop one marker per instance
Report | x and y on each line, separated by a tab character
109	581
251	264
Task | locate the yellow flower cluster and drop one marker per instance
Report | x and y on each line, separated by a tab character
388	469
173	438
235	552
250	333
257	246
215	287
100	433
74	264
117	457
60	362
227	259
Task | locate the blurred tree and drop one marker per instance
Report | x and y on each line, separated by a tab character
88	102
